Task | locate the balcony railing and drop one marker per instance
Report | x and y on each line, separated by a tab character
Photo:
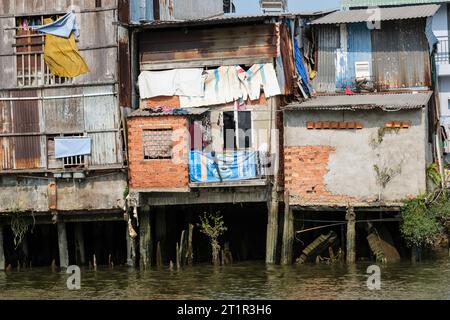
231	167
443	54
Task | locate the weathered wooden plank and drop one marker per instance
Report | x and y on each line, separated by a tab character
62	245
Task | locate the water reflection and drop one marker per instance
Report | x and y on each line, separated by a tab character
249	280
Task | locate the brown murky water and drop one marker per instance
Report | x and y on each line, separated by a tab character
249	280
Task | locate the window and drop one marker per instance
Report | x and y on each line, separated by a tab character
237	134
362	70
31	68
98	3
157	144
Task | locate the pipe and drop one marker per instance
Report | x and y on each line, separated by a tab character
60	97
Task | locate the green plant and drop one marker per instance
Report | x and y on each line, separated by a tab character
126	191
385	175
425	218
213	226
380	135
433	174
19	226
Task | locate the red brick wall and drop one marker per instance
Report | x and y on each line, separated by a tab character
164	174
305	169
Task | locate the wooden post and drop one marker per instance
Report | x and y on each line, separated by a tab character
79	244
288	233
272	227
190	252
177	256
161	232
144	237
131	248
62	244
350	217
158	255
2	252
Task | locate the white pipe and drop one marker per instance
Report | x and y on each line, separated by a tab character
60	97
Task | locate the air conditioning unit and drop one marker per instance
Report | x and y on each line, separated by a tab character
268	6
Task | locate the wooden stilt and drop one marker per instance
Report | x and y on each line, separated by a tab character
79	244
62	244
288	233
131	249
94	262
350	217
272	227
190	252
158	255
183	248
161	232
177	250
2	252
144	237
25	251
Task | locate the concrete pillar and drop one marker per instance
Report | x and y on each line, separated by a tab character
62	244
272	229
351	230
2	252
288	233
131	248
79	244
145	237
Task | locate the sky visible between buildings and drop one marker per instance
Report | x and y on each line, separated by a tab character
244	7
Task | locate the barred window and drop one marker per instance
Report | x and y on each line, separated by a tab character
31	68
157	144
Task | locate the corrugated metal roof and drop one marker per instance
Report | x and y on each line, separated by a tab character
391	101
369	3
173	112
226	19
364	15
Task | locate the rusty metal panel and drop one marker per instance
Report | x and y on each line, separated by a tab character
400	55
63	115
165	46
328	41
288	59
6	154
101	113
124	11
25	119
124	69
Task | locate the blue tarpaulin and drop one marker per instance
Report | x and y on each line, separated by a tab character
69	147
301	68
232	166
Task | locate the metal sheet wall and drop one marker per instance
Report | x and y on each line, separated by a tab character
200	44
328	41
358	49
400	55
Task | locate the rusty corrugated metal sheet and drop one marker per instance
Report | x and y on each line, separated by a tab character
124	11
124	68
400	55
328	41
6	152
25	119
165	46
288	59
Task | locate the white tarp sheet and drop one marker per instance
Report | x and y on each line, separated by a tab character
69	147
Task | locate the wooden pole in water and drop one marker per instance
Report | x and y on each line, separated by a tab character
272	226
79	244
144	237
62	244
177	256
288	233
158	255
2	252
131	251
350	217
190	252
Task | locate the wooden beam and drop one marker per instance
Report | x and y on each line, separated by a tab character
350	217
2	252
62	244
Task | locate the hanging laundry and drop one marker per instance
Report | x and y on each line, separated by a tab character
63	27
69	147
176	82
257	77
222	85
60	53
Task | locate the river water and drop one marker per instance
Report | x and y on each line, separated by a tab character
247	280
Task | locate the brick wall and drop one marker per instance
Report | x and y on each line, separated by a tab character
305	169
161	174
